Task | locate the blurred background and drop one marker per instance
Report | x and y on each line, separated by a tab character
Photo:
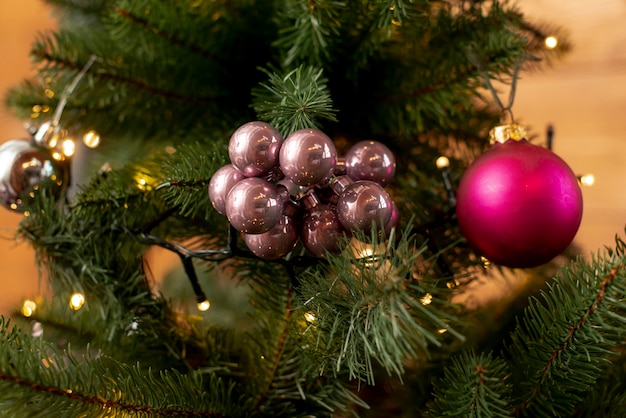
582	96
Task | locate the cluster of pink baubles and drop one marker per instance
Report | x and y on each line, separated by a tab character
278	190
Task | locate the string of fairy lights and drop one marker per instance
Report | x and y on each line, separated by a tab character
63	147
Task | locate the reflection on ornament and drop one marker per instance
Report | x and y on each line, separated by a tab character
204	306
28	308
77	300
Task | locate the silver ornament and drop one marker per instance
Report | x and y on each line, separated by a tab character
26	169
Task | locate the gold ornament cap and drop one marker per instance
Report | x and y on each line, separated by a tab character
503	133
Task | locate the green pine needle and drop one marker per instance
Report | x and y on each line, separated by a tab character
566	339
473	386
297	100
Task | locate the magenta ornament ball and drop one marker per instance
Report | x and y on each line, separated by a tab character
519	205
308	157
362	203
254	148
321	231
253	205
276	242
220	185
370	160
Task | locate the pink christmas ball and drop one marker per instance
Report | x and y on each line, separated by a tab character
254	148
222	181
321	230
394	220
370	160
253	205
519	204
362	203
276	242
308	157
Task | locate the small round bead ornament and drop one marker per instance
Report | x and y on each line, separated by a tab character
321	230
280	239
362	204
220	185
254	147
271	184
254	205
308	157
370	160
519	204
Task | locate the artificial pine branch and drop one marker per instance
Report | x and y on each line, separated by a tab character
297	100
182	72
40	380
474	385
372	311
563	344
308	28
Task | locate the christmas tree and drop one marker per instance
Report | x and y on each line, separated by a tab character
308	165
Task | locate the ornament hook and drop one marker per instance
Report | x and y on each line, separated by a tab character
43	134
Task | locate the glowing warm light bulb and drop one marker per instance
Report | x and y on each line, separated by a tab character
28	308
69	147
427	299
485	261
91	139
551	42
310	317
77	300
204	306
587	180
442	162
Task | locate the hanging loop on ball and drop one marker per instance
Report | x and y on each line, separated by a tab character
47	130
506	110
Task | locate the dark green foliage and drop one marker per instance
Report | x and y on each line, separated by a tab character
371	312
39	380
564	344
294	101
172	80
474	386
